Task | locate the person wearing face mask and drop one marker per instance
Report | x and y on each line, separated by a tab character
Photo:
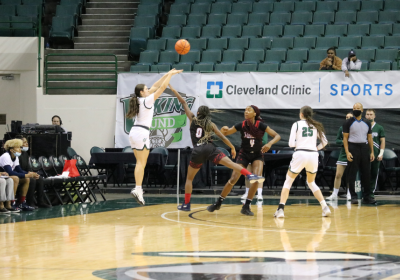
356	134
36	183
10	163
378	136
351	62
331	62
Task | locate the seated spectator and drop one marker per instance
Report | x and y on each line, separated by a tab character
10	163
331	62
6	193
36	184
56	120
351	63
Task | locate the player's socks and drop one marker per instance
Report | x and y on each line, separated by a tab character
335	191
281	206
248	202
323	204
245	172
220	200
259	191
187	198
138	187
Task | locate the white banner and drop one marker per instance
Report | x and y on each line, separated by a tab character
170	127
329	90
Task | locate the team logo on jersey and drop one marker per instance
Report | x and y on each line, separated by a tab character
210	89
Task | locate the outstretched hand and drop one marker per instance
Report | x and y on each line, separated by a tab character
224	130
174	71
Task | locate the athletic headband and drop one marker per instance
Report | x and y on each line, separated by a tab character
257	111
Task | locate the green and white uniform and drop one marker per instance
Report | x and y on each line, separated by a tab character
377	133
342	160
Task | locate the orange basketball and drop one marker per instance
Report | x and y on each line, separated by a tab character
182	47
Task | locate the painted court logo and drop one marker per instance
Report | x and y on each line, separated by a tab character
211	93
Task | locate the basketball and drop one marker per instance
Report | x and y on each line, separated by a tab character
182	47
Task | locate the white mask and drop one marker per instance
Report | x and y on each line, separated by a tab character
25	149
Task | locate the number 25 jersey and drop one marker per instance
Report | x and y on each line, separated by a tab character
250	144
303	137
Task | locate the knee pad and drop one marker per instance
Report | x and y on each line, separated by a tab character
313	187
288	182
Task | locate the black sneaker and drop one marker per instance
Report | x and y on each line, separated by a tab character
246	210
25	207
354	201
213	207
369	201
184	207
13	210
4	211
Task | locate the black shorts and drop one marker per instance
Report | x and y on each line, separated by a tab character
245	158
205	152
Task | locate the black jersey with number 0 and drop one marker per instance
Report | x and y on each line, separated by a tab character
196	133
250	144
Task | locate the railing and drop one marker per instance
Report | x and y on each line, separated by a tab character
47	71
398	60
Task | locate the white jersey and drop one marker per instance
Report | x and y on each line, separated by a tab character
146	111
303	137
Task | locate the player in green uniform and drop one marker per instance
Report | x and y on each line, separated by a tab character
378	137
340	164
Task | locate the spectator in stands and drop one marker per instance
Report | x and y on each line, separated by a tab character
350	63
56	120
10	163
6	193
331	62
36	183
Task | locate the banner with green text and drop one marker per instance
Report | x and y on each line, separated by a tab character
170	126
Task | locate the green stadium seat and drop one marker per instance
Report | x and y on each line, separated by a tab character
205	1
238	43
310	66
375	42
304	43
380	66
68	10
254	56
282	43
293	31
62	29
367	17
231	67
290	67
183	1
221	8
296	55
156	44
196	20
152	2
375	5
11	2
184	67
237	19
242	7
160	68
327	42
310	0
171	32
191	58
5	26
217	19
350	6
366	55
283	7
304	6
191	32
392	42
176	20
140	68
350	42
327	6
316	55
251	31
211	56
199	44
384	29
217	44
147	21
275	56
148	10
323	17
180	9
345	17
386	55
33	2
148	58
8	10
28	11
358	29
267	1
342	53
200	9
389	17
263	7
232	57
246	67
170	44
364	65
204	67
211	31
231	31
304	18
258	19
392	5
280	18
272	31
396	29
260	43
168	57
314	30
268	67
336	30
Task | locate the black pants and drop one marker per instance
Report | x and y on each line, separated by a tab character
36	189
361	162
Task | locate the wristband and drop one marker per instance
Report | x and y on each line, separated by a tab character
381	152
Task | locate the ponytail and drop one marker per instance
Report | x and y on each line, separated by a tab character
308	113
134	102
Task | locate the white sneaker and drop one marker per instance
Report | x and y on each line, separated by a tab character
244	196
348	196
138	195
332	197
279	214
326	212
259	204
259	197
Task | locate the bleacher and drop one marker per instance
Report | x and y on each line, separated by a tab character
266	35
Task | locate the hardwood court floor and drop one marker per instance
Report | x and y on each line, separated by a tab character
120	240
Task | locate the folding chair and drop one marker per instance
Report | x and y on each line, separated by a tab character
329	169
391	166
36	167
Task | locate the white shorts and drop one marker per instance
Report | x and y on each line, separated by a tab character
139	138
302	159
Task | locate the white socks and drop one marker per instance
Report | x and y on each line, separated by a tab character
323	204
247	191
138	187
335	191
259	191
348	192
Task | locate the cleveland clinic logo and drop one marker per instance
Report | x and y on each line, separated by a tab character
211	93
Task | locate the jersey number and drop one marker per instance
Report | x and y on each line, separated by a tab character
252	142
307	132
199	132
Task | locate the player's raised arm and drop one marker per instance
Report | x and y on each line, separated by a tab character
225	140
189	113
163	85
